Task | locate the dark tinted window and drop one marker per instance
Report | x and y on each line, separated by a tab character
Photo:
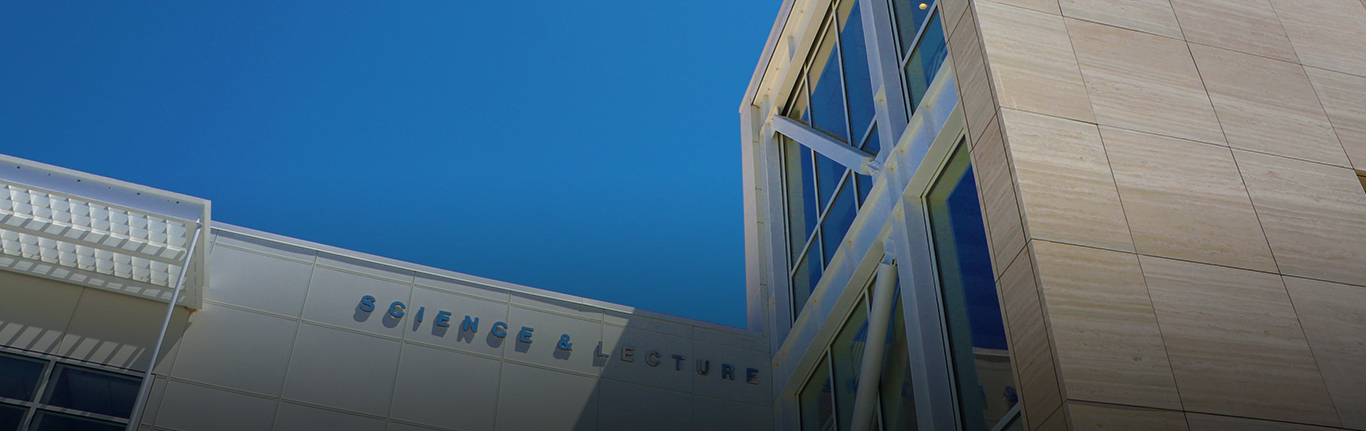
19	377
925	61
858	81
92	391
47	421
910	15
11	417
817	401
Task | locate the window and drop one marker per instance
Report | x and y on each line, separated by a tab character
920	34
835	97
58	396
972	311
827	399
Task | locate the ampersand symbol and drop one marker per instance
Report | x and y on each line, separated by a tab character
565	344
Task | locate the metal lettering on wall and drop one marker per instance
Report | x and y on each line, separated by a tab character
525	335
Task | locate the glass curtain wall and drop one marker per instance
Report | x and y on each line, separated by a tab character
63	397
922	47
972	311
827	399
835	97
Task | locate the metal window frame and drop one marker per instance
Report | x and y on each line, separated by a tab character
45	379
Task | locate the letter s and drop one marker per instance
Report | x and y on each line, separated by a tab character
367	303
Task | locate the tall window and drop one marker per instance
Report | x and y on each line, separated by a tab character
972	310
56	396
827	399
920	36
833	96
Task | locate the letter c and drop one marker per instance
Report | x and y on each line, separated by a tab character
500	330
397	309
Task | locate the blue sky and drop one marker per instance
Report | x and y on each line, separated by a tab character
590	148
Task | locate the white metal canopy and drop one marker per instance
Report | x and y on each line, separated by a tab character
99	232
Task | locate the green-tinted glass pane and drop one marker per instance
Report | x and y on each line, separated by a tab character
910	15
976	331
92	391
837	221
846	353
801	195
925	61
817	402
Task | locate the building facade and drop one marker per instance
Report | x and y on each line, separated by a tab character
275	333
1060	214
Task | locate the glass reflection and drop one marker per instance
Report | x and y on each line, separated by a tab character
925	61
829	173
11	417
827	97
977	339
837	221
858	82
19	377
805	278
801	195
817	401
47	421
846	353
898	396
910	16
92	391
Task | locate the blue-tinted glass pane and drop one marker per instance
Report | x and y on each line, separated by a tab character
828	177
827	97
47	421
925	61
972	310
93	391
19	377
856	76
801	195
812	209
910	15
837	222
846	354
11	417
801	287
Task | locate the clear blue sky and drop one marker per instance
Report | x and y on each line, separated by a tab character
590	148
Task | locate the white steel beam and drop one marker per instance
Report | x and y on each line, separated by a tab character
841	153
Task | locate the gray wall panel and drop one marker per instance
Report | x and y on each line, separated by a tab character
36	311
257	282
196	408
537	399
468	289
342	369
395	426
446	389
711	414
667	374
334	297
716	385
119	330
543	349
631	407
434	302
294	417
237	349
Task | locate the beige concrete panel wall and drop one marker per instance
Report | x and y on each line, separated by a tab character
1341	96
1067	191
1031	349
1267	106
1312	214
1185	200
1151	16
1109	346
1089	416
1235	343
974	84
1032	64
1334	319
1144	82
1248	26
1187	203
1326	34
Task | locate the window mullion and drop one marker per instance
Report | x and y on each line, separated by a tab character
39	393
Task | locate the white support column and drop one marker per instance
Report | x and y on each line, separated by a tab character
840	152
870	372
145	390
